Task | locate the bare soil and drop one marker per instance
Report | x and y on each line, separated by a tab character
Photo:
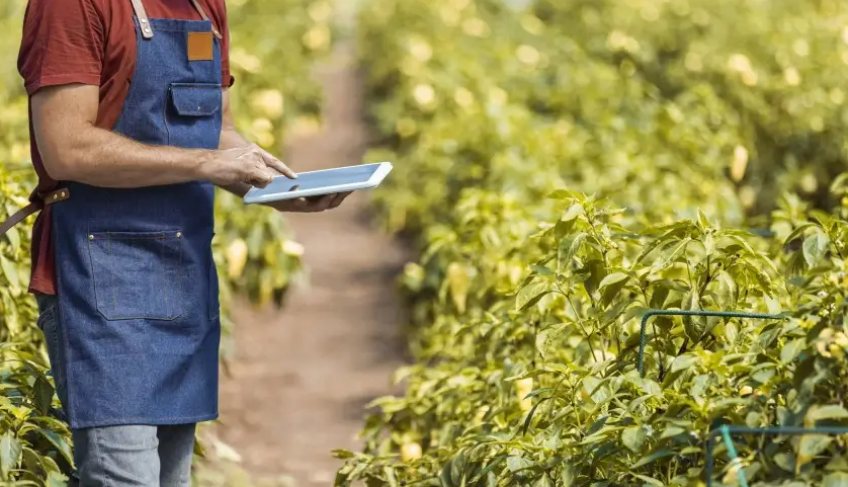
302	375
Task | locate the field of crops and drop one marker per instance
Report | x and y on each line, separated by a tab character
274	98
564	167
631	225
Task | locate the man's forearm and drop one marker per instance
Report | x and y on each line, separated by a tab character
103	158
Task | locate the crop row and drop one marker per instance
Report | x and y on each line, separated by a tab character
564	168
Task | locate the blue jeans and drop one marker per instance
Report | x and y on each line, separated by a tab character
120	456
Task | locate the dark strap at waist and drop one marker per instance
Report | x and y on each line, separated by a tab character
23	213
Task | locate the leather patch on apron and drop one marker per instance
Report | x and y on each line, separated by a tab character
200	46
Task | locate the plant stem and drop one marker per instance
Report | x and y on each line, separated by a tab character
578	323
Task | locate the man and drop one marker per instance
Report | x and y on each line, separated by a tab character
131	130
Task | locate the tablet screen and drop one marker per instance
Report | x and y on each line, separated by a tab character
320	179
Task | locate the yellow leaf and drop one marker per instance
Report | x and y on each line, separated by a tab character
459	283
522	388
236	258
739	164
269	103
291	247
410	451
424	94
732	475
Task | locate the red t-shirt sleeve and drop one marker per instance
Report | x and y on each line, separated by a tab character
62	43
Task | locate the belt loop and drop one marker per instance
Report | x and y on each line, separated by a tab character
203	15
143	21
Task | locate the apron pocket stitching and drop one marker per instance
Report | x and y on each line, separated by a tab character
137	270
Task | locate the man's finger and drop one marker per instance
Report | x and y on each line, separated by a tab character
260	177
314	204
337	200
327	202
301	204
276	164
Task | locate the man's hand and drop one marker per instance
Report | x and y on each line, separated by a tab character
315	204
232	142
248	164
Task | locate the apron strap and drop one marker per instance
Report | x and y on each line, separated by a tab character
143	20
203	15
32	208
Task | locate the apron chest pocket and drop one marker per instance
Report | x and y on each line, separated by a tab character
193	115
137	275
196	99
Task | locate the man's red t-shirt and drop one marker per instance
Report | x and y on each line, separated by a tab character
89	42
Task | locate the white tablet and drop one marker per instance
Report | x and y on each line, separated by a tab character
318	183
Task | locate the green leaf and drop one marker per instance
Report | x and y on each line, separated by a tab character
14	239
669	256
762	279
748	250
611	285
390	476
836	479
43	395
342	454
516	463
683	362
596	272
57	479
693	326
798	232
650	247
573	212
634	438
649	480
653	457
488	468
9	271
445	474
530	294
594	388
671	431
649	386
785	460
812	445
529	419
659	296
566	476
815	247
542	270
568	248
792	350
543	481
612	279
60	443
10	453
818	413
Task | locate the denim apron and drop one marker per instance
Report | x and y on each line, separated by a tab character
139	330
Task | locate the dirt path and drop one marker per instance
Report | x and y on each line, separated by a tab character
302	376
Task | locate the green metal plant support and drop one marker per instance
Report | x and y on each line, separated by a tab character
725	431
675	312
